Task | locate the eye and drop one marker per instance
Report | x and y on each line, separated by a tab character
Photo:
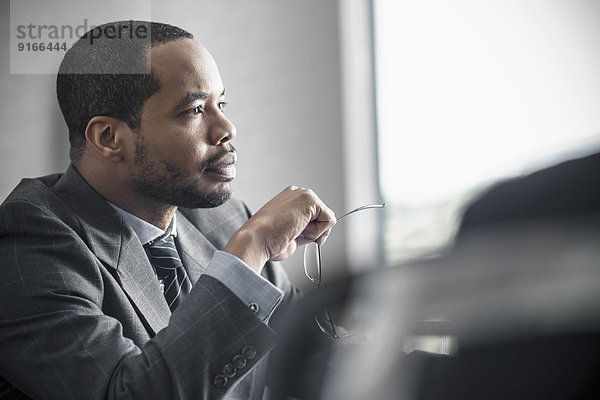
192	111
222	105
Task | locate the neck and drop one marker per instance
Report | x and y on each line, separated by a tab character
158	216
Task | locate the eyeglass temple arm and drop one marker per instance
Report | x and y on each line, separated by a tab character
362	208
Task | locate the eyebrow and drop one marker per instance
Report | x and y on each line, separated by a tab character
190	97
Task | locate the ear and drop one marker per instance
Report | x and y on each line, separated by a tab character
109	137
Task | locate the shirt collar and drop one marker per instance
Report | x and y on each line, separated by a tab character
144	230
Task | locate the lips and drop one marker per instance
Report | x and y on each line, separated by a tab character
224	167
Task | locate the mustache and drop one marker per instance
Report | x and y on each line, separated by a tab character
209	162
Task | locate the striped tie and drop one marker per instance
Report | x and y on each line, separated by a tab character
169	270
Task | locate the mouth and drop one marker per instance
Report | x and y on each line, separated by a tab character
224	168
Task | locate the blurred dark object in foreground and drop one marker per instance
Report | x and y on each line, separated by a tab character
513	312
571	188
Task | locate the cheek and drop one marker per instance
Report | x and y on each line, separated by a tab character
177	143
191	143
189	154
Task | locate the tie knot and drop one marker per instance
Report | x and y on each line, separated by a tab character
163	252
167	238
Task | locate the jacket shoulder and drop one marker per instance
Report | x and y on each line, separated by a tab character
33	190
34	199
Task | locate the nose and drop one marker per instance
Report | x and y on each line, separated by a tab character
222	130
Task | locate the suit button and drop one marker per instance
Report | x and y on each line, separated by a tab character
239	361
253	307
229	370
249	352
220	381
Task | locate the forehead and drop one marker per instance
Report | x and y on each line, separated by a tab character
184	66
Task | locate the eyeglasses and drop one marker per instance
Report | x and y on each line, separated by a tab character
312	269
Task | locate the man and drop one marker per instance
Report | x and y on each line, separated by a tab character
95	300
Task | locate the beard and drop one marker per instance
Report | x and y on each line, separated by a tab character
166	183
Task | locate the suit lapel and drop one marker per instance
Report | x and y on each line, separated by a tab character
195	249
139	282
117	246
201	232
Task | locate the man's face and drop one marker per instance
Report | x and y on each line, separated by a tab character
183	152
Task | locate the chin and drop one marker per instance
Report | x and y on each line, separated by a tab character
201	199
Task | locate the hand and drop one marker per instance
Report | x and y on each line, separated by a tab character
294	217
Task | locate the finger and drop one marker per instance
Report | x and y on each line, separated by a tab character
319	210
318	229
323	238
322	221
301	240
324	214
314	230
309	238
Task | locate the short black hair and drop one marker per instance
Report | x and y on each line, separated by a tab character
107	72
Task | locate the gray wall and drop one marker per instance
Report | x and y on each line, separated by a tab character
280	61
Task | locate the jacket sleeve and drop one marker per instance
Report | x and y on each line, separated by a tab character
57	342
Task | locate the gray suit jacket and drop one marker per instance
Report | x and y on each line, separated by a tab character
82	315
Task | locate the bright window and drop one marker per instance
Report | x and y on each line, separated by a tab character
472	90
